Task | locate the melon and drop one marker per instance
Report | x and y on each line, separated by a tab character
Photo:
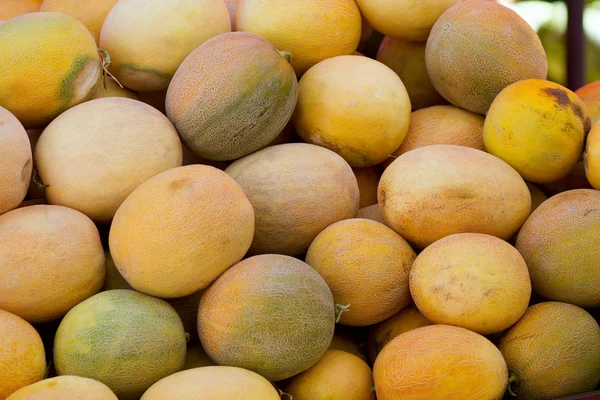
371	212
124	339
311	30
592	157
212	383
51	259
555	334
366	265
440	362
232	96
434	191
22	354
471	55
13	8
590	94
575	179
65	387
148	39
297	190
559	242
95	154
364	120
538	127
61	70
367	179
16	162
110	88
271	314
173	251
196	357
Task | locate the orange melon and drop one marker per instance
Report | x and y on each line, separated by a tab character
367	179
22	354
271	314
168	251
148	39
113	89
590	94
61	70
311	30
16	162
297	190
13	8
471	56
435	191
65	387
592	157
232	96
559	243
371	212
366	265
51	259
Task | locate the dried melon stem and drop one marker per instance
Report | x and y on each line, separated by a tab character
339	310
513	379
105	63
287	55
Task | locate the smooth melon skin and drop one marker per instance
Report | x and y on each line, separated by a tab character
271	314
311	30
435	191
440	362
553	351
22	354
232	96
16	161
65	387
559	242
13	8
148	39
213	383
471	56
297	190
168	251
122	338
538	127
63	67
592	157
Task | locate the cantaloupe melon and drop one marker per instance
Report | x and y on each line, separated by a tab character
148	39
271	314
592	156
371	212
232	96
471	55
590	94
367	179
65	387
13	8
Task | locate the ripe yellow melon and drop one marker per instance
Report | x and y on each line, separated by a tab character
435	191
62	67
475	281
440	362
364	120
16	161
196	357
559	242
51	259
114	90
336	376
592	156
471	55
90	13
311	30
407	59
371	212
344	342
95	154
213	383
122	338
384	332
271	314
179	230
148	39
366	265
22	354
297	190
65	387
538	127
368	179
590	94
13	8
553	351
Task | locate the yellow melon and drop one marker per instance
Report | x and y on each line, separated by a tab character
271	314
16	161
22	354
212	383
592	156
297	190
113	89
62	67
335	110
13	8
559	242
440	362
366	265
51	259
435	191
553	351
196	357
575	179
148	39
311	30
169	251
371	212
368	179
471	56
65	387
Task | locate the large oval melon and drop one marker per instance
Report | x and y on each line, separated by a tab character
65	387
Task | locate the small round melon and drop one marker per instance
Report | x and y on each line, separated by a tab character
592	157
65	387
